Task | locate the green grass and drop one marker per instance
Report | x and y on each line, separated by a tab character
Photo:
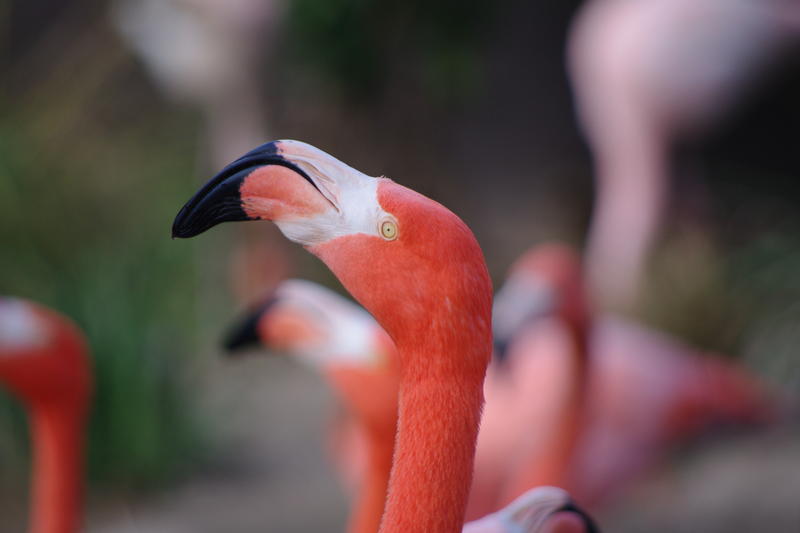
84	227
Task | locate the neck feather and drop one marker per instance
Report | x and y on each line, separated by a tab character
57	487
438	419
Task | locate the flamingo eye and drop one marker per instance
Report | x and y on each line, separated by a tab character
389	230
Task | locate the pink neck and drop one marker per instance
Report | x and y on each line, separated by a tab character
57	487
636	166
567	434
552	465
438	418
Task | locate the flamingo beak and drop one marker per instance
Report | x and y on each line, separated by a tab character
265	183
244	333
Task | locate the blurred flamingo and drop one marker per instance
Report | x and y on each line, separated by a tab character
212	55
43	362
342	342
536	387
646	76
418	270
647	391
209	54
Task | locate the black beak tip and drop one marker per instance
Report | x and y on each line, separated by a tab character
215	203
184	227
176	226
244	333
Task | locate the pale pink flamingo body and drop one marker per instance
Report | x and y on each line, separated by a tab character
647	75
646	390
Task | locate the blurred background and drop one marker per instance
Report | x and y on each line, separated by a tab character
113	113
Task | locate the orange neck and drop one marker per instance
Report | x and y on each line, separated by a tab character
439	413
370	393
437	308
567	434
552	465
57	487
577	320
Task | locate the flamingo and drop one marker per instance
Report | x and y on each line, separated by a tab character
417	268
338	339
44	362
647	391
647	76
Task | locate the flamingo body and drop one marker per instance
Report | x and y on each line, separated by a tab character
648	393
646	390
647	76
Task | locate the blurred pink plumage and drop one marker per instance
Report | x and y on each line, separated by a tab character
647	75
646	392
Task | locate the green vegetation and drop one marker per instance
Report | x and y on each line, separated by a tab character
366	45
85	211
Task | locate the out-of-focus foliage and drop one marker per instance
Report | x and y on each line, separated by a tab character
731	285
91	172
365	45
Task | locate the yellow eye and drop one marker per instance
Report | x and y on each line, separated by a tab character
389	230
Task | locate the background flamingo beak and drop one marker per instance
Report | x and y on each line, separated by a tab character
244	332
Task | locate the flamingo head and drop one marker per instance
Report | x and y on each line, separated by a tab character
546	280
314	324
541	510
42	355
336	338
412	263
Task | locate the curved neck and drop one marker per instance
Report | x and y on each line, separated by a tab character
57	487
438	418
368	507
551	465
636	170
